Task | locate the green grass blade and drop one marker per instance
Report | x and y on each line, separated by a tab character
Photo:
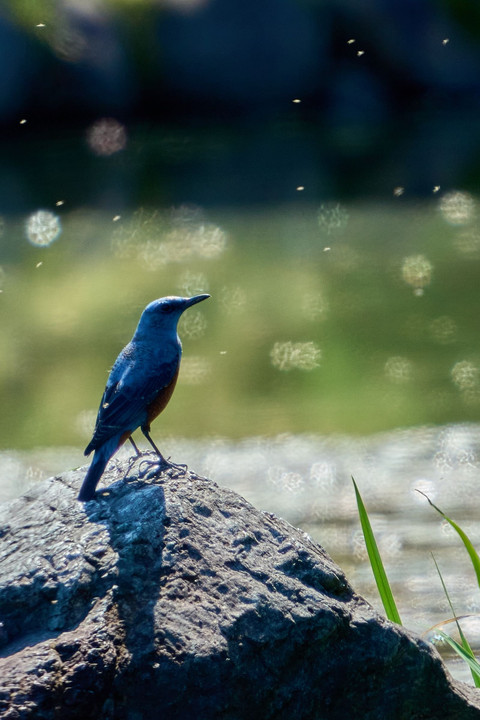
376	562
471	661
465	539
465	643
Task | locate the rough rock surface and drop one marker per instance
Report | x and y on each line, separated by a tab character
173	598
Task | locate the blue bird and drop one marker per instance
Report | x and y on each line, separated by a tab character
139	386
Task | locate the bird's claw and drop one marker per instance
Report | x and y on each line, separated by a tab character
180	468
155	466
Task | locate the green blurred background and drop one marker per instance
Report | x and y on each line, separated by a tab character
353	317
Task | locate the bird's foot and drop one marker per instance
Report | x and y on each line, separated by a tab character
131	462
153	467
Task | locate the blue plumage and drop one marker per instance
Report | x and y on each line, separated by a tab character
140	384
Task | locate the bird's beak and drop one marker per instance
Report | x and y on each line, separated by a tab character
196	299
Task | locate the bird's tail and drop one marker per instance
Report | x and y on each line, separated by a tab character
98	465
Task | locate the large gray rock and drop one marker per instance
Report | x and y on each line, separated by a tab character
174	598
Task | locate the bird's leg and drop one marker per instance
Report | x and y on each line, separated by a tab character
137	451
133	460
147	435
162	463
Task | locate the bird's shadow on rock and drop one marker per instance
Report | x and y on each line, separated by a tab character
134	515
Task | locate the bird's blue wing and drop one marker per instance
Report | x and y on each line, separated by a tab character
129	391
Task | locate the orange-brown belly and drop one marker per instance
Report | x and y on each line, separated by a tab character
161	401
156	407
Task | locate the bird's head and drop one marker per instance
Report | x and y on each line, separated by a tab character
165	312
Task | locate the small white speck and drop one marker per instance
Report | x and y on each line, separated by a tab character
40	25
326	249
223	352
445	41
116	218
59	202
398	191
296	101
39	264
351	41
360	53
436	188
300	188
23	122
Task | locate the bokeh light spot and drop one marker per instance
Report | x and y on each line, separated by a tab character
193	324
323	475
299	355
285	480
43	227
209	240
193	284
85	423
195	370
417	272
233	299
332	218
106	137
157	239
398	369
457	207
465	375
